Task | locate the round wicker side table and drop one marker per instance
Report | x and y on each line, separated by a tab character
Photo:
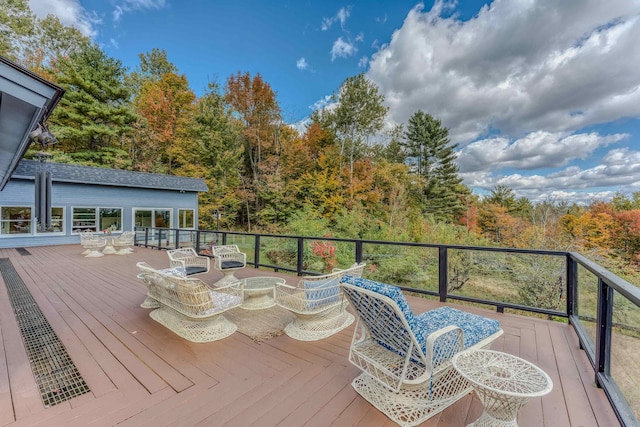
504	383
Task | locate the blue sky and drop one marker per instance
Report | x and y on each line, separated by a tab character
540	95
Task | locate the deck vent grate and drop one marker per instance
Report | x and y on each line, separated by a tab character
23	251
56	375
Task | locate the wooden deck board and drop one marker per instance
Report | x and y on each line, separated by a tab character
140	373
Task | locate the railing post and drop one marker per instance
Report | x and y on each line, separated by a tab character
603	329
300	260
572	285
443	273
146	237
359	251
198	241
177	238
256	251
224	238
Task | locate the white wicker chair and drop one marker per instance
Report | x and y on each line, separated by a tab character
189	308
124	242
228	259
405	359
149	275
188	259
318	304
85	236
93	245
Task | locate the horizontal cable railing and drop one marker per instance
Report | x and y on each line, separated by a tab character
602	307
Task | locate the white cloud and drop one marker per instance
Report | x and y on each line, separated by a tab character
341	16
302	64
363	62
322	103
533	151
342	49
69	12
537	75
620	169
517	66
126	6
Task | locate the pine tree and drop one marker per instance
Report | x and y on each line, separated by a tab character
94	113
427	142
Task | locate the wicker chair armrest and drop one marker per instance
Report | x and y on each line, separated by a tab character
355	270
442	345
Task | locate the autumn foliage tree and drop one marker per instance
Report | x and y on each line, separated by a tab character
255	104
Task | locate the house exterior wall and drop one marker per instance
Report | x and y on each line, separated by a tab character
20	192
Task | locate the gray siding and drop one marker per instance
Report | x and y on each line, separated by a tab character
20	192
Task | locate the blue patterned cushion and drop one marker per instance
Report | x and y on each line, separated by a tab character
321	292
174	271
474	328
390	291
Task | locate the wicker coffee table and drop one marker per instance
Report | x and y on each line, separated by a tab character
259	292
504	383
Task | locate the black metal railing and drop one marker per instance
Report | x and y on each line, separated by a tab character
600	306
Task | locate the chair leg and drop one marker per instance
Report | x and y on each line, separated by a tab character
150	303
194	330
228	278
94	253
412	405
314	327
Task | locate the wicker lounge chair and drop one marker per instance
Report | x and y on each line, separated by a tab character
190	308
189	260
405	359
318	304
228	259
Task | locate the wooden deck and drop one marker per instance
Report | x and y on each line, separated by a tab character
141	374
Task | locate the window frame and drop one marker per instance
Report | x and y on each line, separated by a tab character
30	220
97	219
62	222
134	211
180	218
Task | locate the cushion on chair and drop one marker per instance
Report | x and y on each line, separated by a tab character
221	302
321	292
175	271
231	264
390	291
195	270
474	328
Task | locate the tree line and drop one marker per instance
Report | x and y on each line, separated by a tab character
345	175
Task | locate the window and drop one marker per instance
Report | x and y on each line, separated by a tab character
15	220
110	219
185	218
57	221
83	219
96	219
156	218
